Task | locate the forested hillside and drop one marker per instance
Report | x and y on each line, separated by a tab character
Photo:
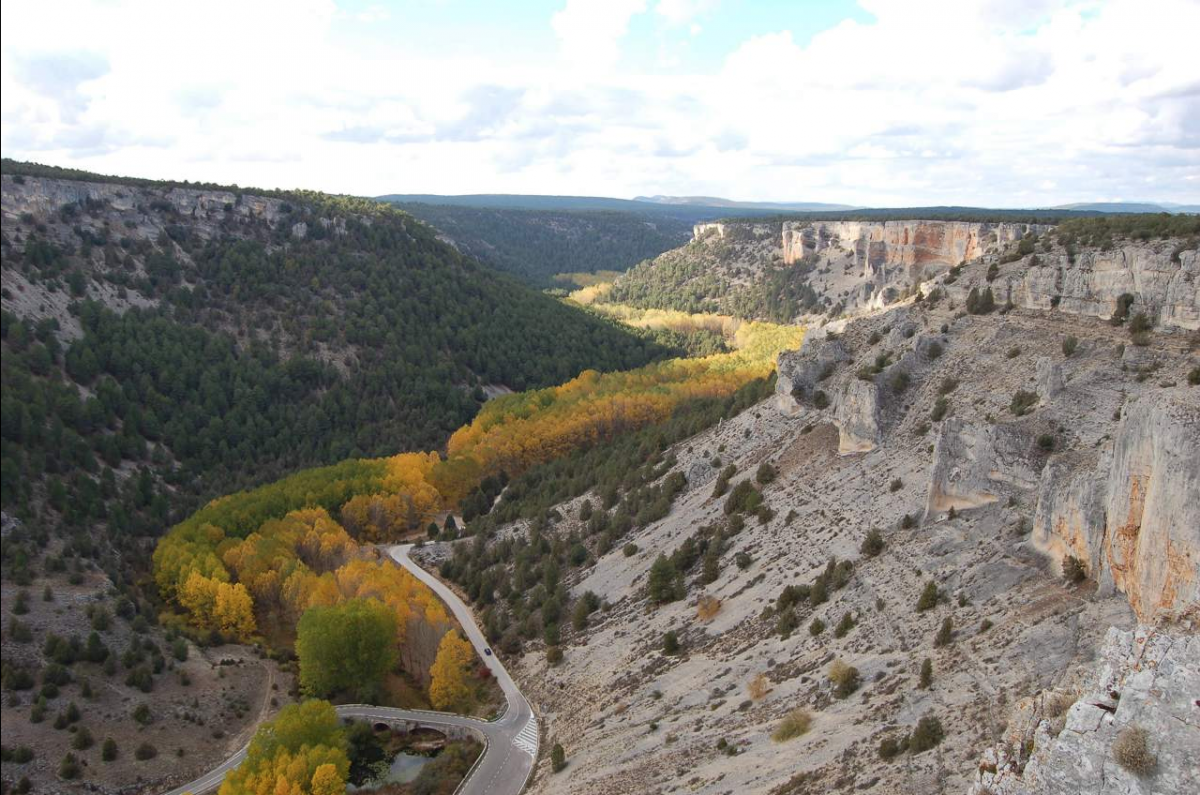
537	244
161	338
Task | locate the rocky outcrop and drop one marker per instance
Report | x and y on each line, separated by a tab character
881	245
1146	679
1131	510
1069	520
1152	533
1166	284
857	416
975	465
799	372
1049	378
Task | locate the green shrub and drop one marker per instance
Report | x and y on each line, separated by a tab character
1069	345
816	627
108	749
926	674
945	633
144	752
895	485
873	544
941	407
820	400
890	747
630	549
765	474
1046	442
744	498
70	768
1073	570
558	758
927	734
670	643
844	625
929	597
1140	323
980	302
82	739
1193	376
1022	402
554	655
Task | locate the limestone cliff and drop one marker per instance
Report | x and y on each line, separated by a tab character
1145	679
1166	284
1130	510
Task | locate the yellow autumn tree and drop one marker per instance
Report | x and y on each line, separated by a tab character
448	687
327	781
233	612
301	752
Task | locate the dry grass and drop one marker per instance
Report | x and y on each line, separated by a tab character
759	687
794	724
845	678
1131	749
708	608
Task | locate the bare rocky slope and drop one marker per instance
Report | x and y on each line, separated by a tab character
994	452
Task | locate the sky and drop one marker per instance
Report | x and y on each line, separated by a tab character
998	103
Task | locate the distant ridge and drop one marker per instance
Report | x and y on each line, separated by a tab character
1130	207
716	201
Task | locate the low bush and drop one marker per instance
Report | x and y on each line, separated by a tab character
845	679
945	633
794	724
1131	749
873	544
1073	570
929	597
927	734
1022	402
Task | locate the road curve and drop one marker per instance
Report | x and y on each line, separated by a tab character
511	742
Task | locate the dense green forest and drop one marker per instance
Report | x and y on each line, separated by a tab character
270	336
537	244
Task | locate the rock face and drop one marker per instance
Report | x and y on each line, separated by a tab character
799	372
1131	510
1146	679
1049	378
1166	285
1070	508
877	246
1152	533
857	416
974	465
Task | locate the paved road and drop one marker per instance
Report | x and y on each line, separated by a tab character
512	740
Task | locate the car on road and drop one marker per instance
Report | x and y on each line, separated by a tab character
488	652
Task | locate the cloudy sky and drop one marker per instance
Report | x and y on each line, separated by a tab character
875	102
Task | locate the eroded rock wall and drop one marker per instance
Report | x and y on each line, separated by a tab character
1166	284
1152	531
1145	679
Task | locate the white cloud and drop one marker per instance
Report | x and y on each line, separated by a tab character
590	31
683	12
983	102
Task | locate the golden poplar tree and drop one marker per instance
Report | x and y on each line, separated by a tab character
448	686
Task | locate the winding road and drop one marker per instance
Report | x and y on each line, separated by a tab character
511	741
